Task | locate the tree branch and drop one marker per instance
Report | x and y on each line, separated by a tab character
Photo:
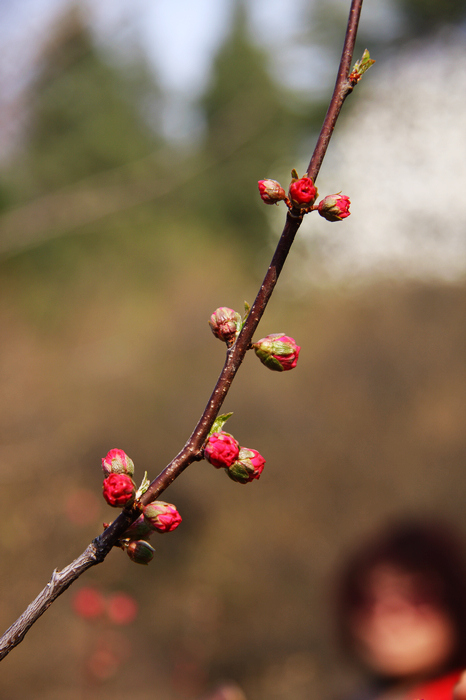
101	546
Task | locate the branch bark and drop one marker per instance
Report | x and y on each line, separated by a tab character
96	552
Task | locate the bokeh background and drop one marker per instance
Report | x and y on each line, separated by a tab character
132	137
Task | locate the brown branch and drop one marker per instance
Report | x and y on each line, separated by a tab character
192	451
342	89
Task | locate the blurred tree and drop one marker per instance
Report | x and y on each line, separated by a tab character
423	17
393	24
85	129
252	126
83	114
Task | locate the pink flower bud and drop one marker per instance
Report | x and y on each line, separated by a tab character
221	450
271	191
161	516
225	324
117	462
247	467
140	551
138	530
302	193
118	490
334	207
277	351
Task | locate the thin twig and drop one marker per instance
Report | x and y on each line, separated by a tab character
343	87
101	546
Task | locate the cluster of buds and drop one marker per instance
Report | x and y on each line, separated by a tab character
157	516
278	351
119	491
240	463
302	194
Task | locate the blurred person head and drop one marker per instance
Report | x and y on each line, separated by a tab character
402	603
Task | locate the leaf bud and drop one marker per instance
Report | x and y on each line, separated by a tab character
140	551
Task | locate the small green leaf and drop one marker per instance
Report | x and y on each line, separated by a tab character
144	486
364	64
294	175
219	423
247	309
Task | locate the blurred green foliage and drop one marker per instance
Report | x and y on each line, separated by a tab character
84	116
252	127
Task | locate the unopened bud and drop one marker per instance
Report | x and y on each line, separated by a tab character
247	467
138	530
118	490
221	450
334	207
302	192
140	551
162	516
225	324
277	351
117	462
271	191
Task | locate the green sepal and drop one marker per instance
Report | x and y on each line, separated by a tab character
294	175
145	483
219	422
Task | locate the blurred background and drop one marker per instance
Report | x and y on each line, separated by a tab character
132	136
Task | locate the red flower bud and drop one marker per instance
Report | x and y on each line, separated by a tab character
118	490
334	207
277	351
140	551
225	324
117	462
161	516
221	450
302	193
247	467
271	191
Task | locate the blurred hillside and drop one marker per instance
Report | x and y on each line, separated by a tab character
115	248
